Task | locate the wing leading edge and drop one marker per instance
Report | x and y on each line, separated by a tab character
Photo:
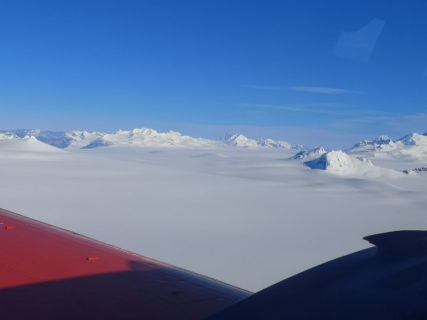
51	273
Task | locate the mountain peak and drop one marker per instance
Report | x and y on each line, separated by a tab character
239	140
414	139
337	161
310	154
382	139
380	143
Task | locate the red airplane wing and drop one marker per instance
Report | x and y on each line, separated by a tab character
50	273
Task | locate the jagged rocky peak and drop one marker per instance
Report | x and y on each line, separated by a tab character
375	143
310	154
383	139
415	170
414	139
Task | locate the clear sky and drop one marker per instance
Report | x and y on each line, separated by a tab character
313	72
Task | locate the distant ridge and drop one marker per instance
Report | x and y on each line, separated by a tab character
143	137
146	137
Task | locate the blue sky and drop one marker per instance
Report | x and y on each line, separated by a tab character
312	72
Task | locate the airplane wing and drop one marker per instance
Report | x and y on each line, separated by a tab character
388	281
51	273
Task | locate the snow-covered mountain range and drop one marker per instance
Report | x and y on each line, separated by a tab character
412	147
362	157
148	138
138	137
384	143
368	157
378	144
58	139
10	143
239	140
